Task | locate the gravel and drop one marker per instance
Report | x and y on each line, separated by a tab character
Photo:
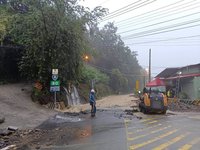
183	107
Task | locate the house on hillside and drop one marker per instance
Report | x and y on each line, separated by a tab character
185	81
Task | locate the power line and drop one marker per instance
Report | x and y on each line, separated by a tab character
126	11
125	7
160	22
158	17
150	13
167	31
154	31
178	38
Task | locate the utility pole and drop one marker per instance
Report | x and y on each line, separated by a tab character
149	65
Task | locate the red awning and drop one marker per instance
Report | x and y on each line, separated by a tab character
156	82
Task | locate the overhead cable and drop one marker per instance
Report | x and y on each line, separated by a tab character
126	11
170	39
123	8
154	31
158	17
163	9
158	23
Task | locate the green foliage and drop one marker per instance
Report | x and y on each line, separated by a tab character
118	81
113	54
102	90
56	34
90	73
53	34
5	16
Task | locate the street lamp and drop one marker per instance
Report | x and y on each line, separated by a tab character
86	58
178	83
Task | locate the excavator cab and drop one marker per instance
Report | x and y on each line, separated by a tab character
153	100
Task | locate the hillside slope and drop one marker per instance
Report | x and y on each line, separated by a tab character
18	109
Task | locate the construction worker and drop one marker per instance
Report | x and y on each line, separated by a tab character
92	102
169	93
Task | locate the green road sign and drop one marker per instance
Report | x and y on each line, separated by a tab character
55	83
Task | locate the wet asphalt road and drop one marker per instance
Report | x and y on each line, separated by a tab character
114	130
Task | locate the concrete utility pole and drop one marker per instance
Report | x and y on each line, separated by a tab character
149	65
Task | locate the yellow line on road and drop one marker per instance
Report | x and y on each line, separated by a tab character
190	144
133	147
127	121
154	131
145	128
152	122
126	130
148	119
174	140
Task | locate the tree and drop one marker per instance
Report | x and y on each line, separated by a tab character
118	81
52	32
113	54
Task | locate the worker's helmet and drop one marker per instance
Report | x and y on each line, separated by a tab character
92	91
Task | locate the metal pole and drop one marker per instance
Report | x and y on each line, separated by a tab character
149	65
55	99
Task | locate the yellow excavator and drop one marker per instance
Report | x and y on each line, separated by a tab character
153	100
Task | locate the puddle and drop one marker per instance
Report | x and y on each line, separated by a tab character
63	118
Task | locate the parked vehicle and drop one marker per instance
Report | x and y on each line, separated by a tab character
153	100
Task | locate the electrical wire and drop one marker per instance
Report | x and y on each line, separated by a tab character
155	41
154	31
126	11
156	12
158	23
123	8
158	18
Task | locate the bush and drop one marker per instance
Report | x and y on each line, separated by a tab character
102	90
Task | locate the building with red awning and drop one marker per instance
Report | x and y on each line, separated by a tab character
185	81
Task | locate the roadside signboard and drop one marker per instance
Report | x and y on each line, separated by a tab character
54	88
54	71
54	77
55	83
137	85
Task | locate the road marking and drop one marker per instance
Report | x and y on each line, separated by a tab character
174	140
135	146
127	121
148	119
190	144
152	122
126	131
143	129
155	131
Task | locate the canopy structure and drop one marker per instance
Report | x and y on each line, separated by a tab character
156	82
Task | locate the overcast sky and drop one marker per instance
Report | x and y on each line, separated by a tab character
170	28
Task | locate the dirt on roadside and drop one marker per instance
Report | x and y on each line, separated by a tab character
18	109
114	101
